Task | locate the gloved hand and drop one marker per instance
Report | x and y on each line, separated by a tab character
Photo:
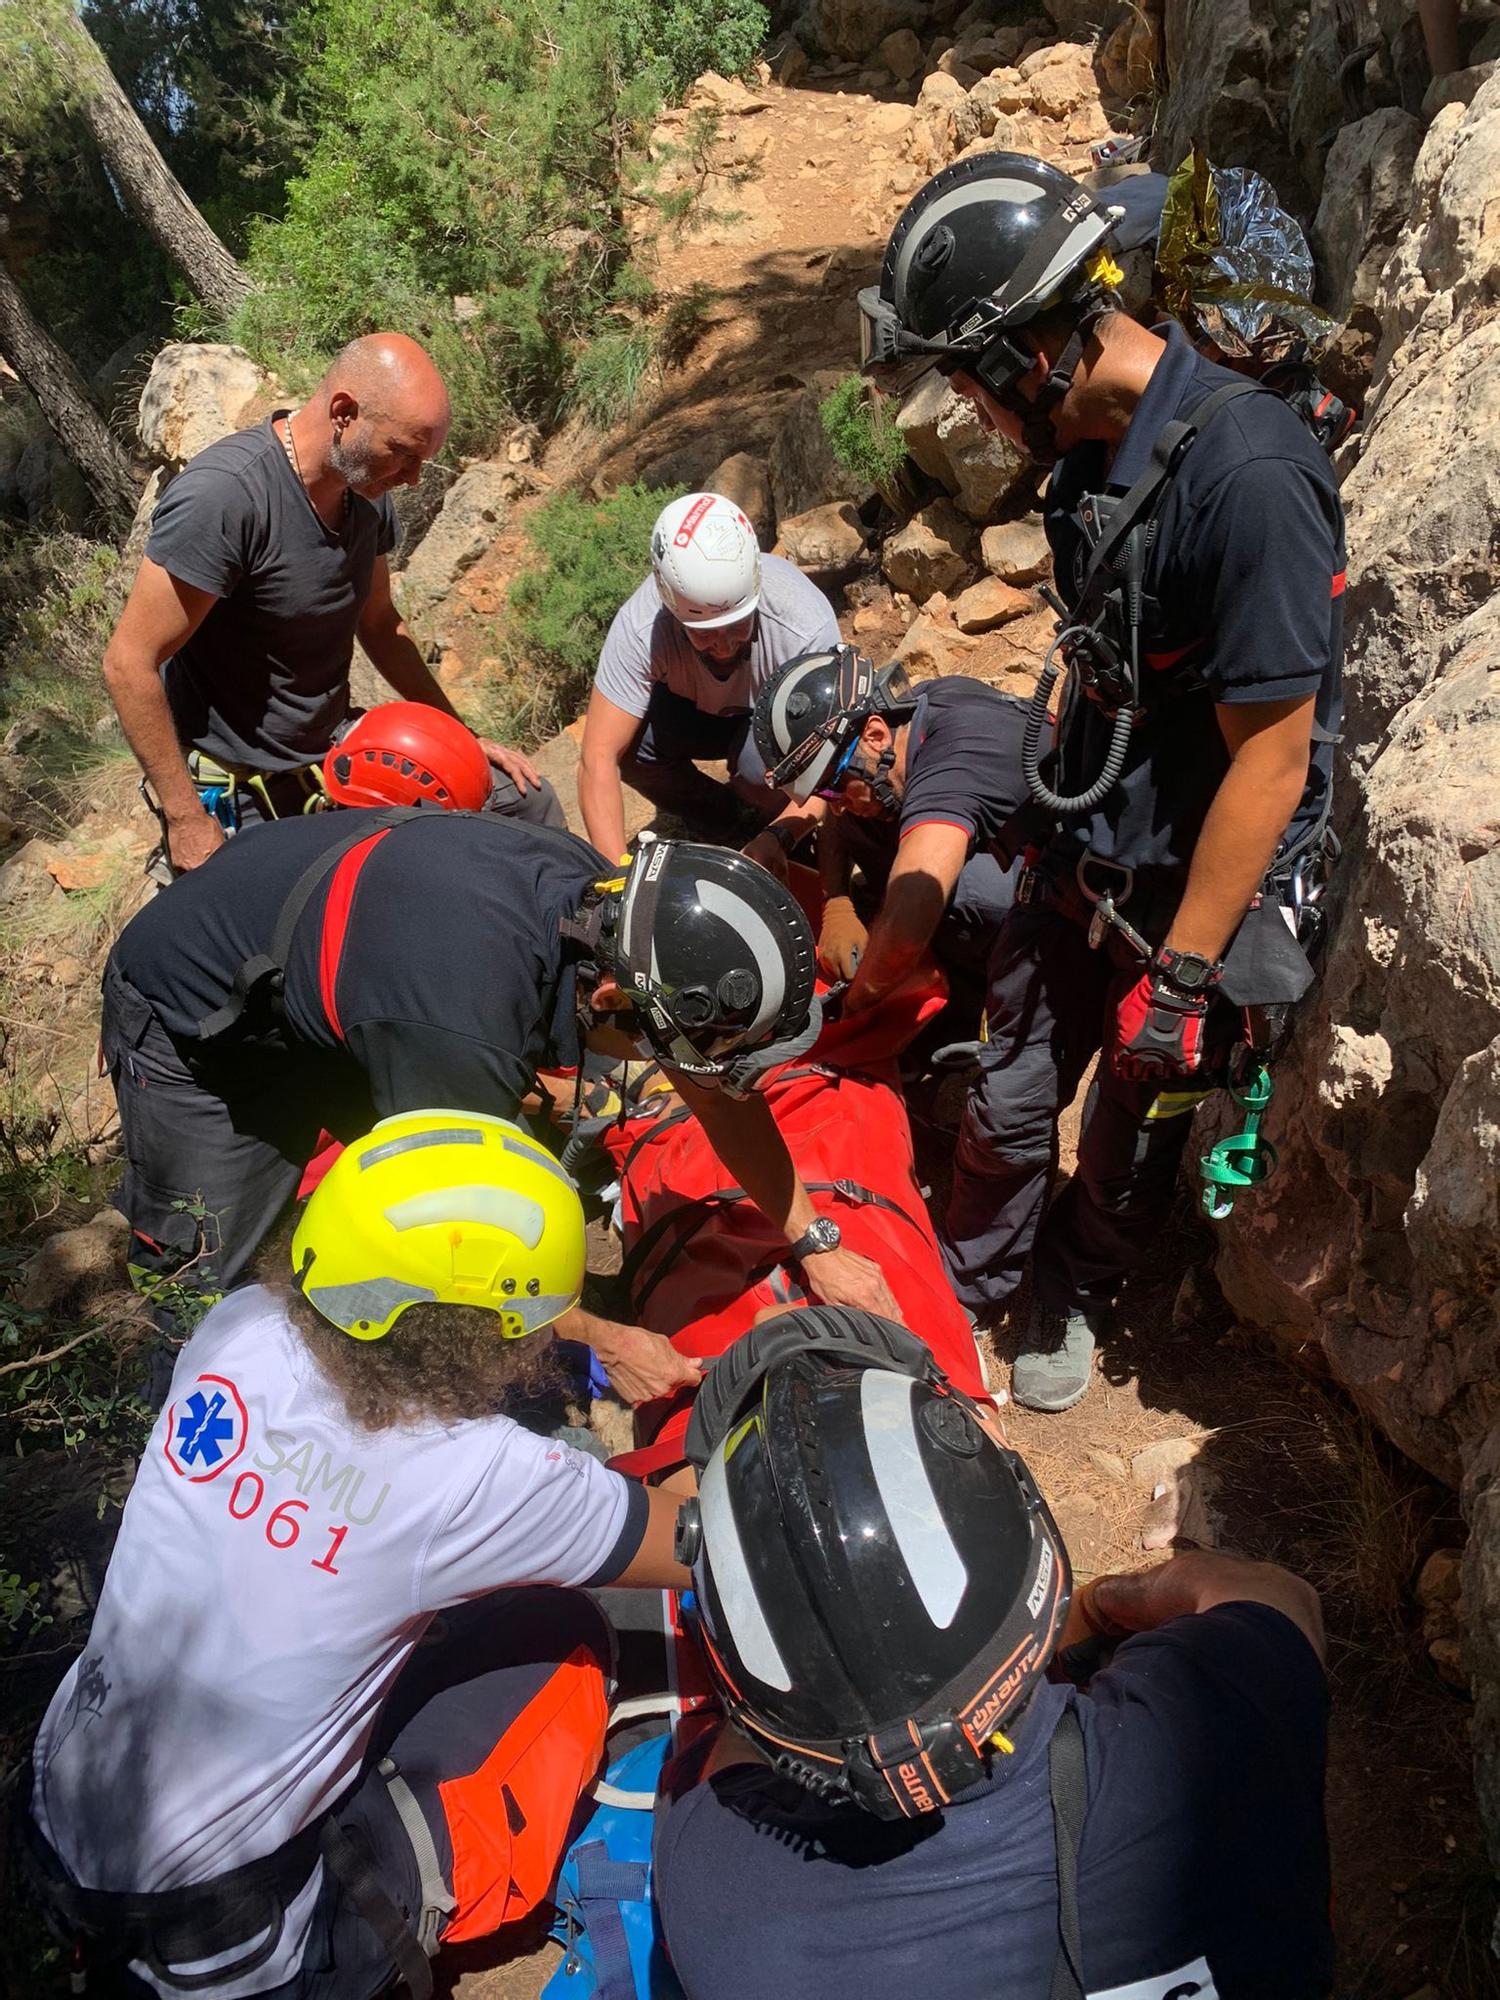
1159	1030
842	940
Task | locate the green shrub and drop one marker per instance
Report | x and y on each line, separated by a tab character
863	436
469	152
594	553
60	595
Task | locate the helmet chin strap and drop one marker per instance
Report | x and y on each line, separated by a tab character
877	777
1035	414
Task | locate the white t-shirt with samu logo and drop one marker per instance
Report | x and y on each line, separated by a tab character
275	1569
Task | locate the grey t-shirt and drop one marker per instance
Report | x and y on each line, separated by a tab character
645	645
264	681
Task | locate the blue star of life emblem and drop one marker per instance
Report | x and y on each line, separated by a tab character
204	1432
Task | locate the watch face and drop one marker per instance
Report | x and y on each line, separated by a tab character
1188	970
823	1234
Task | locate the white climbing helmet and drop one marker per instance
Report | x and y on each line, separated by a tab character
707	561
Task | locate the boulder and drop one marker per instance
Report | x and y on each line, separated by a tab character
75	1266
988	604
1366	192
998	94
827	538
804	472
416	508
1016	552
902	54
853	29
743	479
931	553
471	518
49	486
197	393
725	95
787	60
944	435
1229	71
1130	56
1060	87
933	646
948	113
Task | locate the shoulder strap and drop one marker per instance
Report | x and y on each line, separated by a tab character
264	973
1069	1781
1140	504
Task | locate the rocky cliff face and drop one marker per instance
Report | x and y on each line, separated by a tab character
1381	1243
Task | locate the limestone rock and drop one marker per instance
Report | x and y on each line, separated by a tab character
726	95
824	538
787	60
945	437
950	116
1230	66
1129	57
804	472
901	53
1462	86
1366	192
416	508
1001	92
988	604
472	516
931	553
1060	87
76	1265
197	393
744	479
933	646
852	29
1016	551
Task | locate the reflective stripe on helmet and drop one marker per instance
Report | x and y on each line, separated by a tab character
761	940
482	1202
901	1479
739	1604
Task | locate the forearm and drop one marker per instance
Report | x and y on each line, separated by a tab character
744	1134
1250	813
835	868
140	702
601	800
899	936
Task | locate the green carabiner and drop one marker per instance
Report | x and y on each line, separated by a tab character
1244	1159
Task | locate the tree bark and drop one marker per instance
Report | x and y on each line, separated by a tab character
64	399
146	183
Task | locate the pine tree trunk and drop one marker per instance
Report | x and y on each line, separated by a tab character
64	399
147	184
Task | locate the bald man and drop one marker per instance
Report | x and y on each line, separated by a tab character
267	557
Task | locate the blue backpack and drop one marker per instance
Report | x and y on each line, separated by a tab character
606	1921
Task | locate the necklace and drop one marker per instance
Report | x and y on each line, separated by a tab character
289	446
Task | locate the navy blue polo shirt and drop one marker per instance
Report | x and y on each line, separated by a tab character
963	763
1203	1866
1244	586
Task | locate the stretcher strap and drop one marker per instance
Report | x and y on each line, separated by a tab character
438	1903
695	1213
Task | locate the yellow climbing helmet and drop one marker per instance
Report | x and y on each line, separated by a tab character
449	1207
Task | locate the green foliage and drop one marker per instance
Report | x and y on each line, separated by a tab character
59	598
19	1614
863	436
465	153
593	555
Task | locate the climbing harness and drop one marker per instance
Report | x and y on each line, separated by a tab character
1099	643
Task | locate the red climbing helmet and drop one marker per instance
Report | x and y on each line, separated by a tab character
407	754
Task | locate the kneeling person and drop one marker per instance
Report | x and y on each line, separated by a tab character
681	666
275	1755
881	1590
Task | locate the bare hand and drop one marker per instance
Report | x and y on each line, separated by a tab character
769	852
192	839
520	770
844	1278
842	940
641	1365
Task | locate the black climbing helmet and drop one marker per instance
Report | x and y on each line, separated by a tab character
715	953
977	254
879	1585
808	718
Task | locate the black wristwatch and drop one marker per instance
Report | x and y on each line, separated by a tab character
1189	971
820	1234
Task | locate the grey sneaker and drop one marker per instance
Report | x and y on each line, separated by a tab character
1056	1361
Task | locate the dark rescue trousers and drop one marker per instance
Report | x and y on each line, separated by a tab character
214	1149
1051	1005
477	1778
659	765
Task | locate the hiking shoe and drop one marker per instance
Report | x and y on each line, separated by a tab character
1053	1368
